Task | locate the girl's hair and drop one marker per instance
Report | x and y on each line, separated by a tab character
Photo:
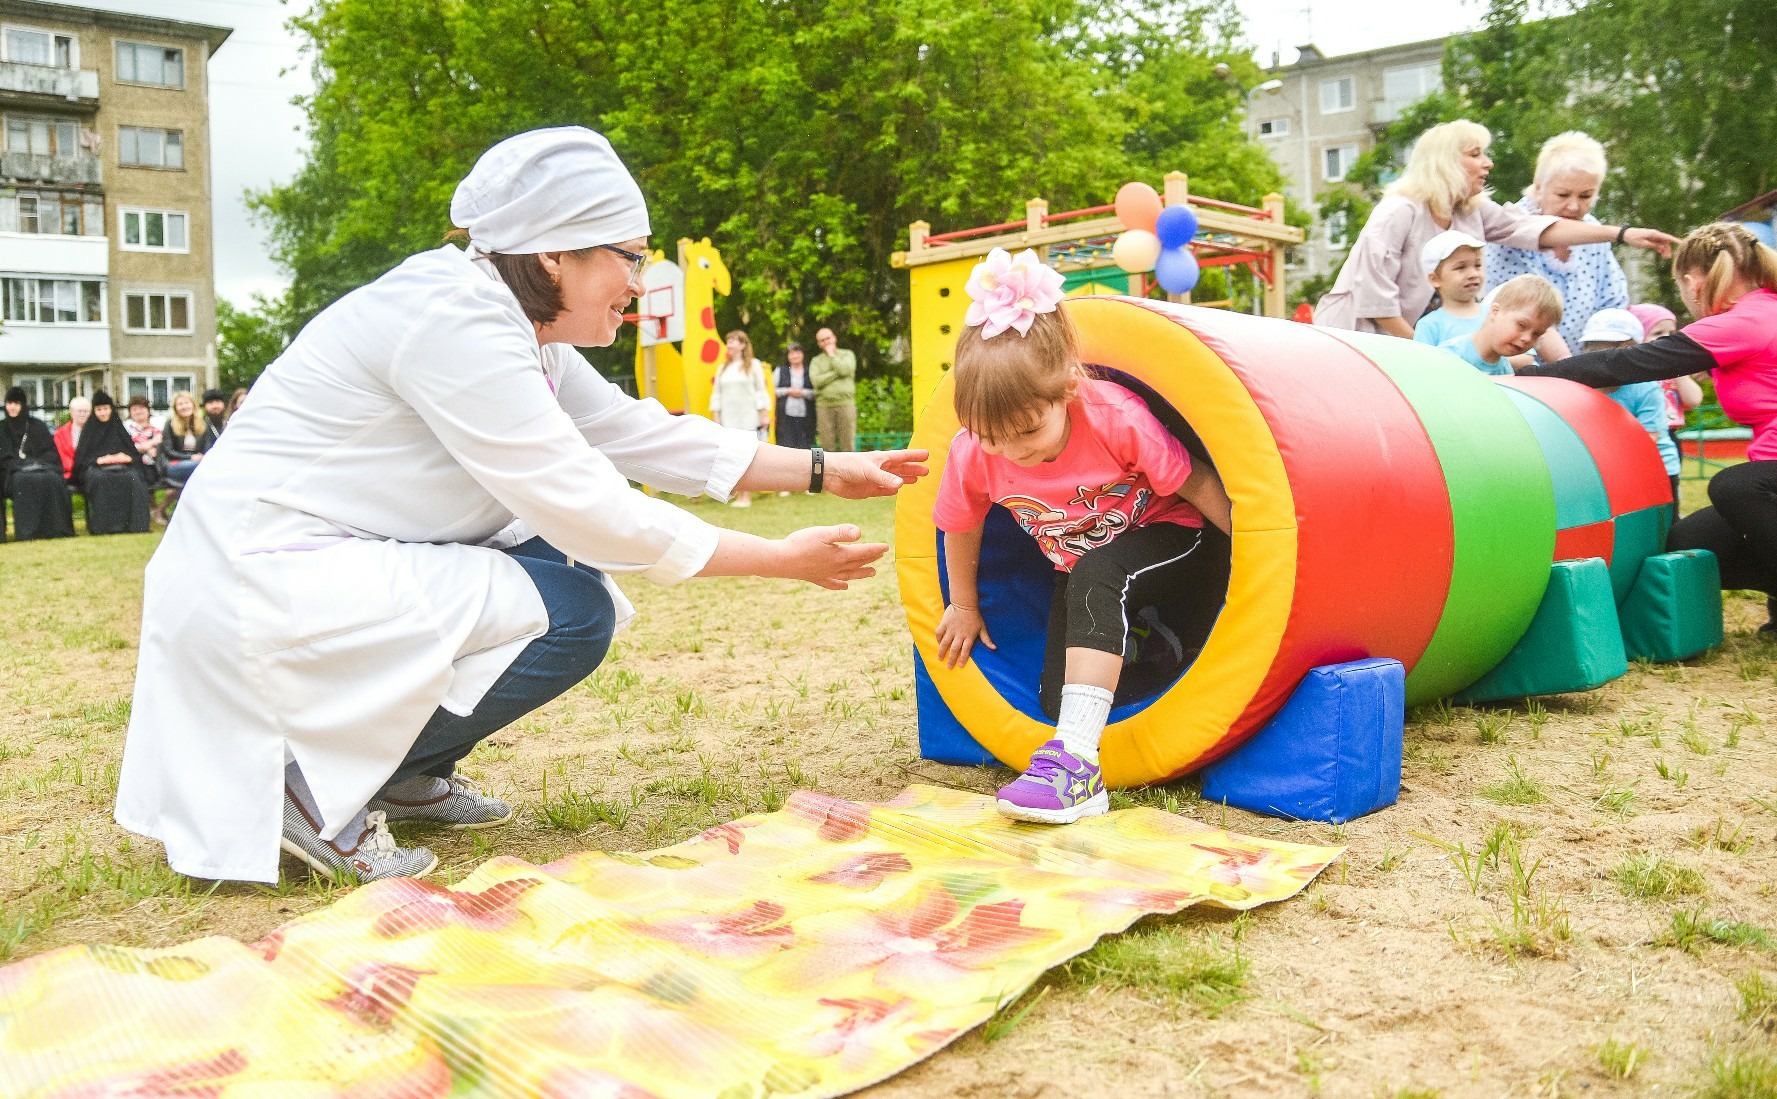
538	294
178	425
234	402
746	355
1569	152
1531	292
1004	385
1722	250
1434	174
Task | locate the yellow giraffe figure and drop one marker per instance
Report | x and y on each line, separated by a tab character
703	351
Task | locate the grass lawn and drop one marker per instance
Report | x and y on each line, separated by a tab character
1578	894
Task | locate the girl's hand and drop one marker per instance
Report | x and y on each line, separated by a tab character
828	556
1652	238
859	476
957	632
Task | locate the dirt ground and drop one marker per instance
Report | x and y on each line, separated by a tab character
1573	896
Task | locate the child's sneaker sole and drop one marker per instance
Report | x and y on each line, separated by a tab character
1093	806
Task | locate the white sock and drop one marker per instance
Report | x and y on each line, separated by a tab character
1084	710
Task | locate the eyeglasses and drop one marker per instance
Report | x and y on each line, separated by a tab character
639	259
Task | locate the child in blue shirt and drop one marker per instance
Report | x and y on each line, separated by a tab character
1646	401
1452	264
1516	316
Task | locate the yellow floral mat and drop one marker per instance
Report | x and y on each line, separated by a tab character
807	952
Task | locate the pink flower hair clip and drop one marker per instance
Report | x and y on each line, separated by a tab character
1007	291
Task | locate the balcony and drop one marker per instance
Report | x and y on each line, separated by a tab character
41	85
48	254
83	168
55	344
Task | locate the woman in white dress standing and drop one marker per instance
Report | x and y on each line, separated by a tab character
409	529
741	396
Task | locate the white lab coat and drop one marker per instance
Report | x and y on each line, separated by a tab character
328	581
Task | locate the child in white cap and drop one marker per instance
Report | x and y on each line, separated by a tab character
1646	401
1452	263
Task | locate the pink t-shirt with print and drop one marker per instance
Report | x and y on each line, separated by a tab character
1743	342
1120	469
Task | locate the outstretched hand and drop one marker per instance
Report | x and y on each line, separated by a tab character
861	475
1662	243
828	556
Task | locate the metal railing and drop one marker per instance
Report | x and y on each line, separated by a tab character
1707	424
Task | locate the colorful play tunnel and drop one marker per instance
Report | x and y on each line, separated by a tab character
1389	501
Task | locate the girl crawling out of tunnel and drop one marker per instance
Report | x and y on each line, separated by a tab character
1113	500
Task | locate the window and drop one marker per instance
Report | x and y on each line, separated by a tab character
153	230
1405	86
157	312
42	136
1274	127
1337	160
1338	94
1338	230
29	46
52	301
49	392
140	63
158	388
142	147
69	214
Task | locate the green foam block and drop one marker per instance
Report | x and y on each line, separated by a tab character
1574	643
1674	609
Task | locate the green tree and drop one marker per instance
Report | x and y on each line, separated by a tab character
803	136
247	340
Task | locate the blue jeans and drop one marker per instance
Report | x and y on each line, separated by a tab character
582	619
179	472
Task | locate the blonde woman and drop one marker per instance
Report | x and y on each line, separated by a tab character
1570	171
1382	288
741	397
187	437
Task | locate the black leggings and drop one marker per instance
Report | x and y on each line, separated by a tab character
1740	529
1182	572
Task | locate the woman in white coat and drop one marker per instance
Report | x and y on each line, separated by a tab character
390	523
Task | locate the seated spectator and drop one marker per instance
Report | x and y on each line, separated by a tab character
235	400
146	437
188	436
67	436
216	408
1518	313
105	465
33	474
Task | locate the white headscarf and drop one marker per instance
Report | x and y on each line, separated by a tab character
551	190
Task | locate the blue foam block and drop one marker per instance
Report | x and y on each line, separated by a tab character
1331	754
941	736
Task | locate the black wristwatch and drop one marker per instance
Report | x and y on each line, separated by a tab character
1623	232
819	472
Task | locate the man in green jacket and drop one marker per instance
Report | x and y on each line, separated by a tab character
834	375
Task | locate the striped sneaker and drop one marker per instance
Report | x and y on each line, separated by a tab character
453	802
373	856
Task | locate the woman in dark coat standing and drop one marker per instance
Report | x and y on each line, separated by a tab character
795	401
105	469
33	474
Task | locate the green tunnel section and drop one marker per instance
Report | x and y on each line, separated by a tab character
1580	498
1502	508
1634	538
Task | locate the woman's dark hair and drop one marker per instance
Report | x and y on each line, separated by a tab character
140	399
538	294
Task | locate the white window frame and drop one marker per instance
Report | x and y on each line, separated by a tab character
161	167
34	297
11	221
53	391
118	44
1345	162
1279	127
168	296
174	382
141	213
1350	102
55	122
73	44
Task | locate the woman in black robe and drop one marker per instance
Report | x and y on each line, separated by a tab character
33	474
105	469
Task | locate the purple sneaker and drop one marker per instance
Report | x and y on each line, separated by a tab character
1057	788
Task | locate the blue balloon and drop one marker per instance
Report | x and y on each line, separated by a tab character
1176	226
1176	269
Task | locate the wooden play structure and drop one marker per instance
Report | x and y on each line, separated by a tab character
678	306
1078	244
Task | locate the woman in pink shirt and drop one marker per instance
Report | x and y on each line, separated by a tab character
1112	499
1381	288
1729	282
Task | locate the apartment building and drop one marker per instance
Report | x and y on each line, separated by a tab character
106	272
1318	115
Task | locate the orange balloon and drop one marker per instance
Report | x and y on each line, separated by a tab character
1138	206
